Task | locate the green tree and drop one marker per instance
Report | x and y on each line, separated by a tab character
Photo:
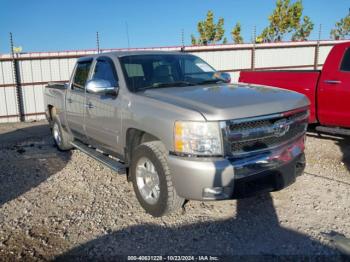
236	34
303	31
341	29
209	31
284	19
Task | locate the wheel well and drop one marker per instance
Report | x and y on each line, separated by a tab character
52	111
134	138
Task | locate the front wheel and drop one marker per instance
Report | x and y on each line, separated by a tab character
152	181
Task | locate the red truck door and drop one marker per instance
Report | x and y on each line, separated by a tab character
334	88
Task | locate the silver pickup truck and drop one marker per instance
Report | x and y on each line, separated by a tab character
177	128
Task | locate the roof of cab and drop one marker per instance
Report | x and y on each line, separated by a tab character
130	53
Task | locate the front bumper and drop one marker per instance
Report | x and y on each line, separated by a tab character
225	178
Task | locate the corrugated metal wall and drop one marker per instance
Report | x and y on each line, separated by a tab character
36	69
8	99
35	74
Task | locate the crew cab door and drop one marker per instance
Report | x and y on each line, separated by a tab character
75	100
334	89
102	117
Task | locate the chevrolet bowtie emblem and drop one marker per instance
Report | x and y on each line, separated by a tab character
280	127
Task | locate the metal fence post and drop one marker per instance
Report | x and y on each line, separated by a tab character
97	43
253	49
317	49
17	77
182	41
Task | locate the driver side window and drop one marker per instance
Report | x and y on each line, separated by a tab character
81	75
104	69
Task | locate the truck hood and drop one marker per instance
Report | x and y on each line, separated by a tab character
230	101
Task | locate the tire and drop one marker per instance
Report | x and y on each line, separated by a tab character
167	201
61	137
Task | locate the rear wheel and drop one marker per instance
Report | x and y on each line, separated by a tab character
61	137
152	181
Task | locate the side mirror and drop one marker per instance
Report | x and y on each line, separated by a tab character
101	86
226	77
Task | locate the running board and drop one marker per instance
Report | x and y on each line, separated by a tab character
113	164
334	130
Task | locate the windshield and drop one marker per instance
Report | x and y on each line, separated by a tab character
166	70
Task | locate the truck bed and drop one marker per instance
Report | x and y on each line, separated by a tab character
302	81
54	95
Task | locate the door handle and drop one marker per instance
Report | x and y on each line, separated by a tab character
89	105
69	100
333	82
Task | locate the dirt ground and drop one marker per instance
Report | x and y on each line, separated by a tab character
66	205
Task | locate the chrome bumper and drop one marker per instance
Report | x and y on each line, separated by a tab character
193	177
268	160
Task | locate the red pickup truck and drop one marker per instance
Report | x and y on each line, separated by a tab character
328	89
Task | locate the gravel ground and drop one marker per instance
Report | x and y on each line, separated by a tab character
66	205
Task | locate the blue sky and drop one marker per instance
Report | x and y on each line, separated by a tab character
47	25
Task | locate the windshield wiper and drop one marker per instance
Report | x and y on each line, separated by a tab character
210	81
170	84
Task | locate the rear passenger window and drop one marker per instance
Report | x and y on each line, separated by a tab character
345	64
81	74
104	69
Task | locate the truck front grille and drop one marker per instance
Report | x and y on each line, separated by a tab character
252	135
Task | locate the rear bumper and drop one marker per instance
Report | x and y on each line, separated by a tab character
222	178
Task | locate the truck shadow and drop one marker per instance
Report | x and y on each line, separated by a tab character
28	157
342	141
253	229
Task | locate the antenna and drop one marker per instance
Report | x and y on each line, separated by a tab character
127	34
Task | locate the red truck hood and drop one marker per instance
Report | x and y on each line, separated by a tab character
230	101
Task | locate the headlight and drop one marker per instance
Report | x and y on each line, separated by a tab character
197	138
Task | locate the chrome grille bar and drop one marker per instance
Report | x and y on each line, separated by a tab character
253	135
